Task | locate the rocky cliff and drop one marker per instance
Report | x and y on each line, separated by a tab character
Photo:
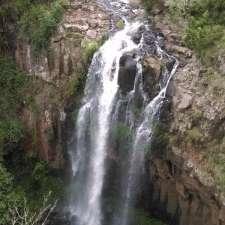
58	74
186	163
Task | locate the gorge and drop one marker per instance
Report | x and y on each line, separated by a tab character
112	112
114	87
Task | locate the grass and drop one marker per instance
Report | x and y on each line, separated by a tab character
216	162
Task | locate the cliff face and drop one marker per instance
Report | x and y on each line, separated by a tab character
58	74
186	173
186	164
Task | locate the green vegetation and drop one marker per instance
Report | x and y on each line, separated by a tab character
22	179
122	132
204	25
140	217
76	84
28	187
39	22
120	24
89	47
137	111
193	135
35	20
13	84
217	160
122	137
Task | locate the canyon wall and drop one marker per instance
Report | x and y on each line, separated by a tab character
185	163
58	75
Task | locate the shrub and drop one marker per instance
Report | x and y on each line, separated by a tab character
149	4
120	24
76	84
122	137
193	135
201	36
178	7
7	195
89	47
12	84
141	217
39	23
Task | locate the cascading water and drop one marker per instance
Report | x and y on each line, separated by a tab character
100	111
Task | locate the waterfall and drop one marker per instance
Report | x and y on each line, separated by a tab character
100	110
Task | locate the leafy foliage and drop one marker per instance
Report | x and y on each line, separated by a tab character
16	198
122	137
35	20
39	23
141	217
89	47
120	24
5	195
13	84
205	31
202	35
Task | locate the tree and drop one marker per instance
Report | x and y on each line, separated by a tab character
22	215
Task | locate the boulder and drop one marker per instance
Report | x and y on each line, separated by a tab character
136	37
127	72
182	100
151	75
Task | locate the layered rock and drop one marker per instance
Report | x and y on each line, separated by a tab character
56	72
185	166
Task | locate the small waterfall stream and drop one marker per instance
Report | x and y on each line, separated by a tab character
104	105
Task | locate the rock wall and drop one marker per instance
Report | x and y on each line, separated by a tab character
54	72
185	165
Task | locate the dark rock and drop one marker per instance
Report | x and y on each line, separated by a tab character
136	38
170	64
149	38
138	35
127	73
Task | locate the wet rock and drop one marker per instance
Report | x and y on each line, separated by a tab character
136	37
56	69
151	75
149	38
127	72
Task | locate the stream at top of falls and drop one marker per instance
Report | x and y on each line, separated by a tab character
109	148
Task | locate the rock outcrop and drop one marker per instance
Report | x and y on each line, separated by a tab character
56	73
186	163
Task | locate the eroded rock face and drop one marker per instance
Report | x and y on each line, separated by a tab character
184	184
82	20
55	70
178	195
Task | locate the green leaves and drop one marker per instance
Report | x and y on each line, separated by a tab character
12	86
39	22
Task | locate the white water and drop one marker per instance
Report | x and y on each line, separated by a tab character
94	121
94	116
141	142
